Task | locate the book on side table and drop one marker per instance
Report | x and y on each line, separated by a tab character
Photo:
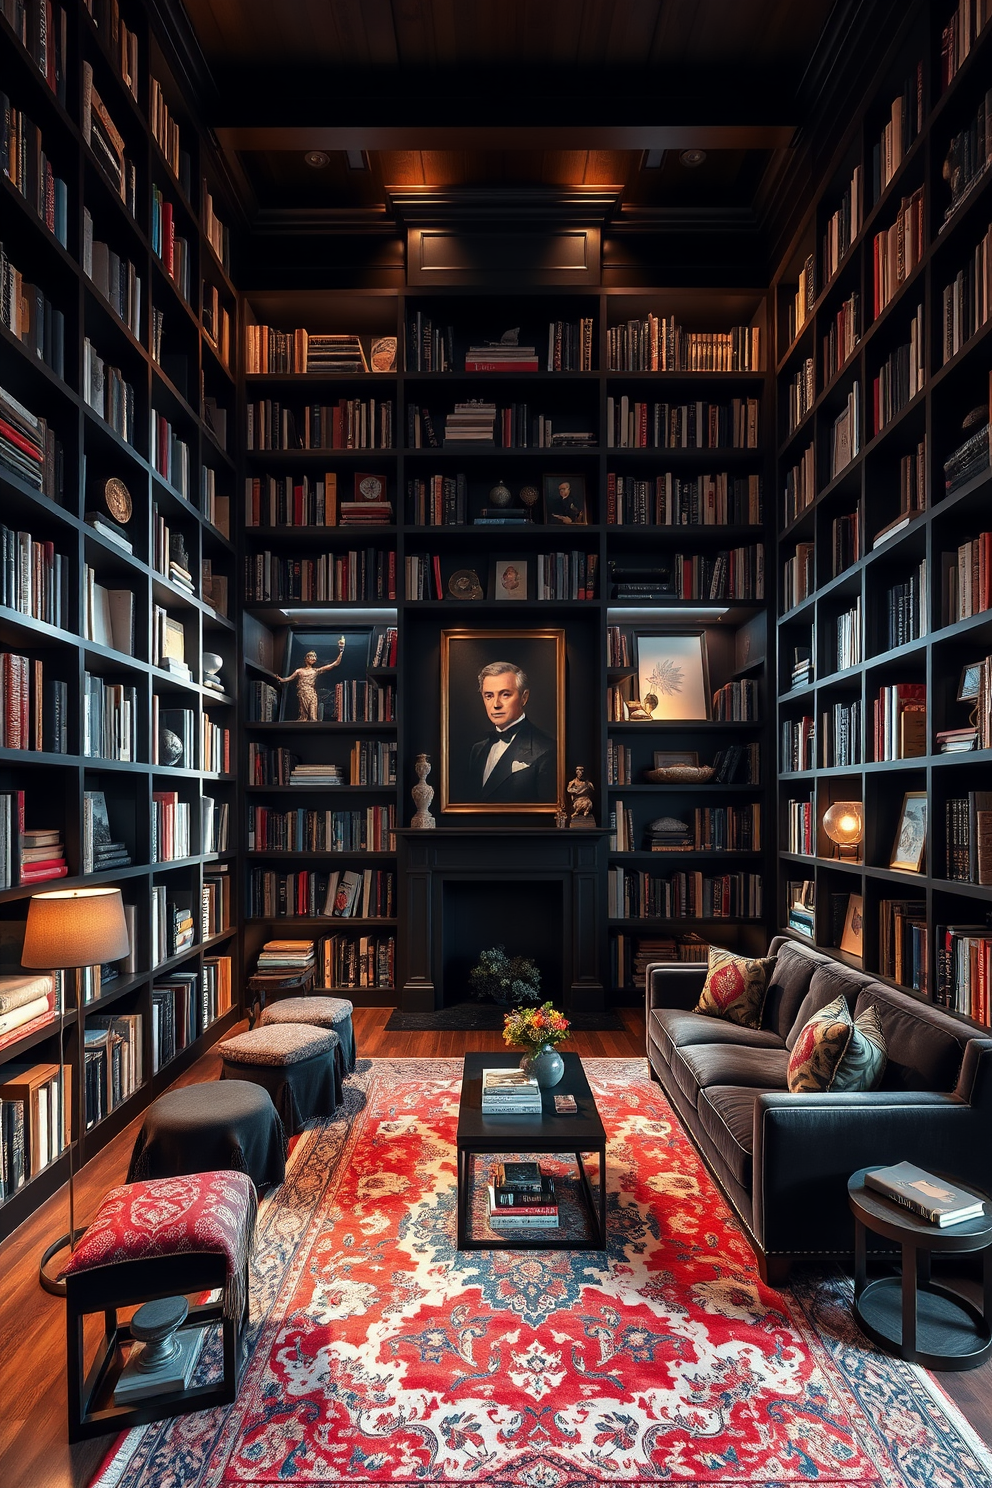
925	1194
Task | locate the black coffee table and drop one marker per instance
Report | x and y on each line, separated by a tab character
909	1314
549	1132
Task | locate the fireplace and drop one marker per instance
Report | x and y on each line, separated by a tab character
536	891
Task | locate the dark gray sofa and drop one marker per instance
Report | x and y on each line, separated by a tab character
783	1160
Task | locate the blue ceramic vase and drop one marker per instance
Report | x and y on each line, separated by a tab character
545	1064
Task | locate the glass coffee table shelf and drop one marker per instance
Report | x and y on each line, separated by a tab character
578	1136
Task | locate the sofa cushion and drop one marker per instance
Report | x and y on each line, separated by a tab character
726	1115
697	1066
735	988
827	983
837	1052
788	985
673	1028
925	1048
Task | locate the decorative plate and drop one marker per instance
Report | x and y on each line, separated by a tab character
117	499
464	584
371	488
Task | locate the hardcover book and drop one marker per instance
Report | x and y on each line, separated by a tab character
923	1193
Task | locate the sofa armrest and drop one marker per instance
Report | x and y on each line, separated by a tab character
673	984
806	1146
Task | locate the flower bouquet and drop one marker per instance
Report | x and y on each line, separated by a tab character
538	1030
503	978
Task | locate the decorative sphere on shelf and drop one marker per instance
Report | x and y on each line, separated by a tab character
170	747
500	495
530	496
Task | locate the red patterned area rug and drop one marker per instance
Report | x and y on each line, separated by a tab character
381	1354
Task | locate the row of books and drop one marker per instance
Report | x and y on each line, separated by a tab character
33	709
848	631
635	895
314	895
172	923
969	155
215	901
968	838
301	352
738	764
104	139
903	942
736	702
570	575
904	124
171	458
843	336
842	725
798	576
185	1004
34	578
109	394
28	169
108	614
705	829
800	394
906	608
369	830
35	1125
168	245
845	436
896	251
215	746
216	825
899	721
966	303
42	29
351	423
671	500
842	227
632	955
437	501
796	744
360	574
633	424
967	580
964	970
348	963
30	315
660	344
29	448
215	318
109	719
800	827
171	834
112	1063
967	22
900	377
300	500
845	541
800	485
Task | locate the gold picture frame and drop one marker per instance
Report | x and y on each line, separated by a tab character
528	777
852	936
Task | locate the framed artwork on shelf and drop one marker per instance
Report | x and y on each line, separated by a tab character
971	678
502	720
852	936
672	676
565	500
313	658
664	759
508	580
911	833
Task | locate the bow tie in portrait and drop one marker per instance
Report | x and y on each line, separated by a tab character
506	737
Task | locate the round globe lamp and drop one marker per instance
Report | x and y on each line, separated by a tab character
844	824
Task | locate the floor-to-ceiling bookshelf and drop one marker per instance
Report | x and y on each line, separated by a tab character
143	345
870	532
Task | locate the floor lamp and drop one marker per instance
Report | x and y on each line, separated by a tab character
72	928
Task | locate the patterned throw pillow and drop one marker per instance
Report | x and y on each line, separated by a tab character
837	1052
735	988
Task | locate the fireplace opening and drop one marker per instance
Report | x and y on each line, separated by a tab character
526	916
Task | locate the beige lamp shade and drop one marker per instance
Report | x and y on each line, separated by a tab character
75	927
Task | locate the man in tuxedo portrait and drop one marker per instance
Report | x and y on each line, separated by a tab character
516	761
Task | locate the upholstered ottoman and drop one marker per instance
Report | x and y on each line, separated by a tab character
204	1128
168	1237
322	1012
295	1062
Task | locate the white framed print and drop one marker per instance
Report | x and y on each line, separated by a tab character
672	675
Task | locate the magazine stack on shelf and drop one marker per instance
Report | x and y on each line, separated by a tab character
522	1197
509	1092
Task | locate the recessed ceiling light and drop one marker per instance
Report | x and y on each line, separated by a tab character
317	159
691	158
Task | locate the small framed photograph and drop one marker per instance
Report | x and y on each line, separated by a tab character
911	833
663	758
971	677
565	500
508	579
672	676
851	939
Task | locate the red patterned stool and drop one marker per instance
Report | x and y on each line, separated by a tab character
164	1238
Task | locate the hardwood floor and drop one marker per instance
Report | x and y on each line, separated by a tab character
33	1448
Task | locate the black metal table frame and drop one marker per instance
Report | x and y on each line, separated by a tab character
916	1252
529	1134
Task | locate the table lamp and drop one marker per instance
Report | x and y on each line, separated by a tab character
70	929
844	824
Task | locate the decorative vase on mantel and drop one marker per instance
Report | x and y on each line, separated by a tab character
545	1064
423	794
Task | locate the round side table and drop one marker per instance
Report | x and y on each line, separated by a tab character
911	1315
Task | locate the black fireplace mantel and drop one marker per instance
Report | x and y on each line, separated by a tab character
437	867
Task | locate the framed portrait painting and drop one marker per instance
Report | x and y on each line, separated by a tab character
911	833
672	676
502	720
509	578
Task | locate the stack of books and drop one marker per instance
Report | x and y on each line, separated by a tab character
285	955
472	424
668	834
958	740
802	666
509	1092
968	460
339	353
522	1197
42	855
501	356
365	513
314	775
